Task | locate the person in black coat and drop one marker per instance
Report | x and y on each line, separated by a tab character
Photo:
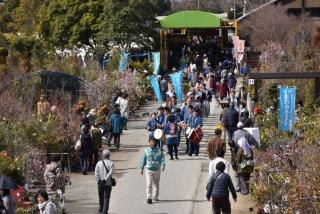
85	150
218	188
230	120
245	119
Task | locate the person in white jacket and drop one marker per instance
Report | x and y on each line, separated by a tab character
215	161
123	101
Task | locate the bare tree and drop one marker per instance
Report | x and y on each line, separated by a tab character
285	41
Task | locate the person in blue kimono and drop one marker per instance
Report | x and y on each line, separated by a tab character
116	127
195	124
161	116
188	121
161	122
177	120
167	113
152	124
171	132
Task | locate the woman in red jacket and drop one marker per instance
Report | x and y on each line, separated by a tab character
223	89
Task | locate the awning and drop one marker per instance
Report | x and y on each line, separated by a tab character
191	19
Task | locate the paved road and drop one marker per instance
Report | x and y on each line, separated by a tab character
182	186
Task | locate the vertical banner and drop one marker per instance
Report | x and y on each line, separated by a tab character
287	102
123	61
235	47
156	88
177	80
156	62
240	50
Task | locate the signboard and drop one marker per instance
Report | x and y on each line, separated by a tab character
287	101
251	81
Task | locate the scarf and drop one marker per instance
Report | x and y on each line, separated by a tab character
42	206
243	143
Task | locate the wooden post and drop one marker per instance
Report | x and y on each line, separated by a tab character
161	49
317	88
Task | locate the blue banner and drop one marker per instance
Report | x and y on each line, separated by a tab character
156	62
177	80
123	61
156	88
287	103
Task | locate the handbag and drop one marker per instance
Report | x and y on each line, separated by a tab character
113	181
77	147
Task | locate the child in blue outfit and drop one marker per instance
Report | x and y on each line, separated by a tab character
171	132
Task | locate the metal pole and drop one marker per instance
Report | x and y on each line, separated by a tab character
198	4
234	9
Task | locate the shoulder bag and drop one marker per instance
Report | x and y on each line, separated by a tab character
113	181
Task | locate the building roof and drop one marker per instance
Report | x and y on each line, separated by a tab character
191	19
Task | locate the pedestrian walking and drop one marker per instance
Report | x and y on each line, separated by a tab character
188	118
245	119
124	109
171	132
218	189
153	158
103	173
216	144
116	128
152	124
229	120
195	125
213	164
234	147
223	89
8	201
85	149
96	136
45	205
245	164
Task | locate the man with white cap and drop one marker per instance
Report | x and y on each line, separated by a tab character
103	172
234	147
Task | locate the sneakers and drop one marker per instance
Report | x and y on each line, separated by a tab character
177	158
171	159
149	201
155	199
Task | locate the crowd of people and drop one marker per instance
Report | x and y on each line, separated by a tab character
93	131
172	120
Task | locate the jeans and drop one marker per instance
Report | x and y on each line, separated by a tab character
104	198
84	163
193	148
93	159
171	148
153	180
221	204
230	133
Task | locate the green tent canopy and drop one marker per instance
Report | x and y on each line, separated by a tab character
191	19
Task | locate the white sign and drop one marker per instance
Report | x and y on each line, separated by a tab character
251	81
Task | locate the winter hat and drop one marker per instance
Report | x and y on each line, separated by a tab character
240	125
